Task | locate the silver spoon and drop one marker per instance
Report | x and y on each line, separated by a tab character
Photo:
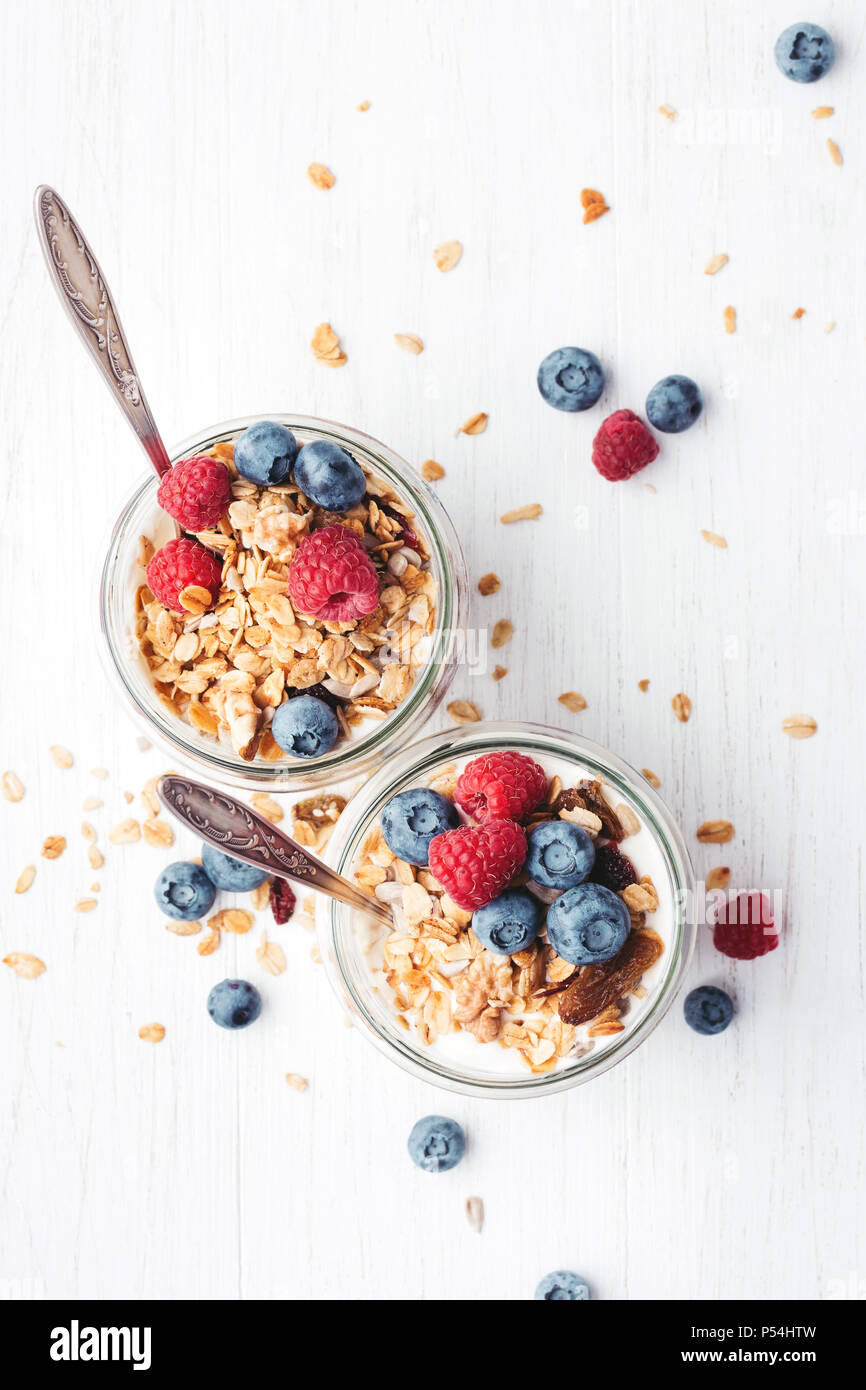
237	830
88	301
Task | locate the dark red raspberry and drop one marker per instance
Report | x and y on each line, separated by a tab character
196	492
475	862
332	577
500	785
282	900
743	927
183	564
612	868
623	446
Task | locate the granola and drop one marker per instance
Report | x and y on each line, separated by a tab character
226	671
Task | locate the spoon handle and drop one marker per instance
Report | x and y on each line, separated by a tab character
89	303
237	830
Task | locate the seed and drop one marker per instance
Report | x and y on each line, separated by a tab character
715	832
25	879
409	342
13	787
320	176
682	707
448	254
573	701
61	756
95	858
715	263
799	726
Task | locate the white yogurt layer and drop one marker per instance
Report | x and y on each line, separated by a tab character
458	1048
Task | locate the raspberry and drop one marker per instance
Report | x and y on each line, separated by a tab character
176	566
196	492
612	868
744	928
498	785
474	864
282	900
623	446
332	577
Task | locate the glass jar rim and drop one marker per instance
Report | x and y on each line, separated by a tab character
333	919
432	681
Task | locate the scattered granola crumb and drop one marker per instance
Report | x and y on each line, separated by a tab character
476	424
593	204
297	1083
231	919
91	803
320	176
61	756
184	928
151	1032
88	831
95	858
431	471
475	1213
798	313
682	707
267	807
326	346
729	318
499	672
96	887
315	955
210	943
489	584
715	263
13	787
409	342
799	726
715	832
86	905
650	487
129	798
464	712
835	152
102	772
651	777
573	701
53	846
668	112
712	539
25	879
503	631
143	744
158	833
260	896
271	955
126	833
24	966
828	327
643	685
822	112
448	254
528	513
718	878
364	106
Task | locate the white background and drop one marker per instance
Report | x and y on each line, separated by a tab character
180	135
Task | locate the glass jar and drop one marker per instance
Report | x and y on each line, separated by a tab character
342	943
374	740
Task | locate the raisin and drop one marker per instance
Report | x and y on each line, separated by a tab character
599	986
282	900
612	868
407	535
333	701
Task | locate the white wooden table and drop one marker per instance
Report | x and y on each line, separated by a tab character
180	134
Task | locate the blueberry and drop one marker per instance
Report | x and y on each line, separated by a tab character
265	453
329	476
562	1286
436	1144
411	819
708	1009
510	923
560	854
804	52
674	404
230	874
234	1003
305	727
184	891
588	925
570	378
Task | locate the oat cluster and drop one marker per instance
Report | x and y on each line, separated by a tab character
225	672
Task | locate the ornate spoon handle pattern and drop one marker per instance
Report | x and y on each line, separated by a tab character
88	301
238	830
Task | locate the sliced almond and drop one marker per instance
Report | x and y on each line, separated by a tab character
682	707
503	631
717	878
320	176
712	539
572	700
431	471
25	879
464	712
151	1032
13	787
447	254
126	833
476	424
53	846
715	832
409	342
61	756
272	956
799	726
528	513
715	263
24	966
157	833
